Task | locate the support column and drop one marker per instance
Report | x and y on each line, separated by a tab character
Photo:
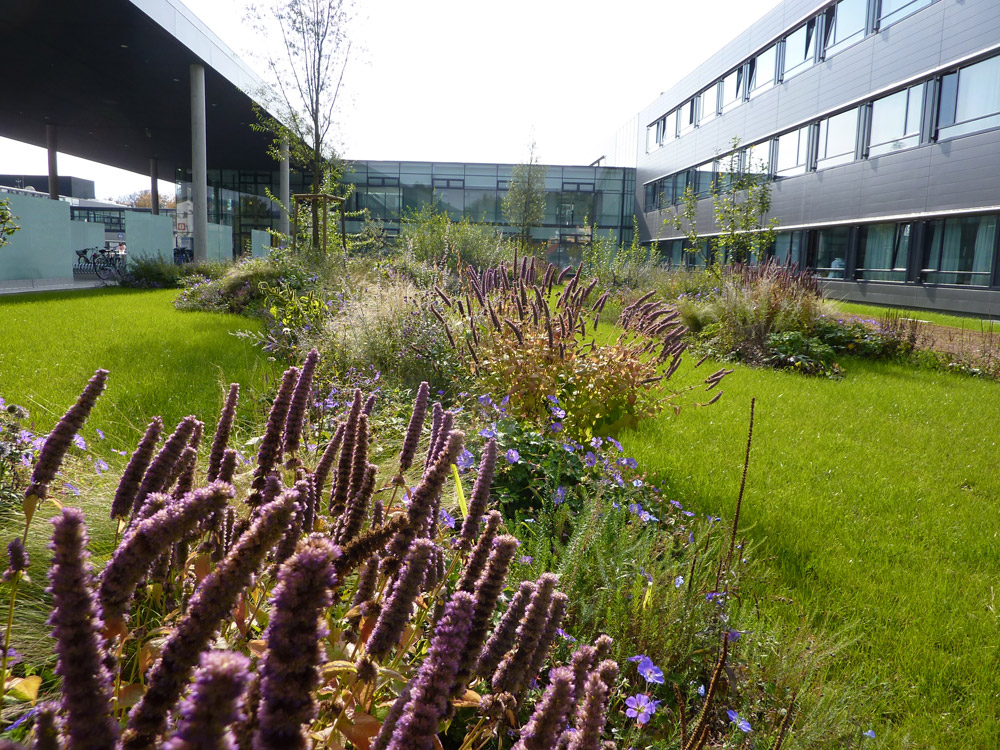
154	185
284	189
50	142
199	163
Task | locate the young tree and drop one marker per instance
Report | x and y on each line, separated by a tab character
741	198
144	199
306	77
524	202
8	221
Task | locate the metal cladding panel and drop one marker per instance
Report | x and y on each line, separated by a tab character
965	172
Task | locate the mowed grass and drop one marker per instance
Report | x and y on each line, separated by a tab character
161	361
969	322
874	500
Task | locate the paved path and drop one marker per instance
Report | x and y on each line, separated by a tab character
48	285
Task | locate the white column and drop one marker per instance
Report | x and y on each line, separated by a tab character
199	163
284	189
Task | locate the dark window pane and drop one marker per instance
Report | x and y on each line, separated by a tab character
961	251
831	252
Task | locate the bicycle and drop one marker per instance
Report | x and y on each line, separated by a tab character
106	264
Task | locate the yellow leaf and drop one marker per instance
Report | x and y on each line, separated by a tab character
129	695
459	491
471	699
257	646
25	688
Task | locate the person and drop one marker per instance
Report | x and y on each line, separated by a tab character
121	248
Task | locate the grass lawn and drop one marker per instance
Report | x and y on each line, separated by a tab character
162	362
940	319
874	502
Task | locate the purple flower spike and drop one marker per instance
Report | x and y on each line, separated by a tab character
294	638
480	494
396	611
214	703
412	439
590	716
212	601
222	432
17	557
128	487
432	689
503	636
269	450
545	724
477	559
298	405
157	476
76	627
51	455
512	673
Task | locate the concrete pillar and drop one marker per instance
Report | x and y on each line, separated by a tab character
154	185
199	163
50	142
284	189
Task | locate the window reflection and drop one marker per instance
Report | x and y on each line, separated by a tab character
896	121
800	49
837	139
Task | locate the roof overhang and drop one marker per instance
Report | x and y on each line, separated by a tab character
113	77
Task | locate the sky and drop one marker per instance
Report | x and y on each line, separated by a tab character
475	81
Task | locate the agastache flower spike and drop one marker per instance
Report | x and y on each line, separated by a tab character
222	432
76	627
156	476
17	557
603	647
327	459
369	406
150	539
399	605
412	439
422	502
487	592
480	494
385	733
185	480
437	416
371	542
211	603
581	663
431	691
367	578
608	670
512	671
124	500
590	716
477	560
227	469
447	424
213	704
294	636
557	609
298	405
359	463
269	450
309	509
46	734
503	637
342	479
57	443
357	508
543	728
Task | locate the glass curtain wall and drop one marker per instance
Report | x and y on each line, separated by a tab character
883	252
961	251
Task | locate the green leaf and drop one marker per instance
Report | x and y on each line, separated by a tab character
459	491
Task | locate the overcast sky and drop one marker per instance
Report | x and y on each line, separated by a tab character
467	80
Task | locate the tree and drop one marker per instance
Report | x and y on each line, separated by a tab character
741	200
524	202
144	199
8	221
306	77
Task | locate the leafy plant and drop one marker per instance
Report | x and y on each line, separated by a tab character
8	222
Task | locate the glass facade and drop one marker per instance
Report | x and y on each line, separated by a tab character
838	138
800	49
970	99
830	254
884	251
793	153
960	251
845	24
895	121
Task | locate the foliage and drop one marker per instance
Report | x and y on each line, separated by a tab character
806	354
8	221
524	201
741	199
15	452
146	272
629	265
431	237
144	199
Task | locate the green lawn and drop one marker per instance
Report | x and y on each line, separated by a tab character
940	319
874	500
162	362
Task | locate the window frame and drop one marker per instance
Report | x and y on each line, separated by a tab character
822	140
904	11
829	50
753	68
912	138
811	46
968	126
801	166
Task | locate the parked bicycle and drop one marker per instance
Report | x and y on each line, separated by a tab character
108	264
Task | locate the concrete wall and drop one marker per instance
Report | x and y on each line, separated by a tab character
44	247
149	236
260	242
220	242
83	234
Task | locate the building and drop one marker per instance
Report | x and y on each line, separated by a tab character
878	122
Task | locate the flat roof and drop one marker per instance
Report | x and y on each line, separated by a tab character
113	77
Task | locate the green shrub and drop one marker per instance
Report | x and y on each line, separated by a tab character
431	237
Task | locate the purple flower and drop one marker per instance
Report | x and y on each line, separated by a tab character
637	658
717	596
569	447
485	400
489	432
25	436
525	559
79	442
645	516
649	671
70	488
701	690
616	444
678	582
637	483
742	724
590	459
100	466
465	460
565	636
513	456
556	426
596	443
552	399
560	496
100	433
870	734
733	635
640	708
446	518
558	413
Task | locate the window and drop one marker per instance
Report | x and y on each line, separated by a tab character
761	69
732	89
970	99
845	25
896	121
709	103
800	49
788	248
831	252
792	153
883	252
687	115
895	10
652	142
702	177
960	251
757	159
838	136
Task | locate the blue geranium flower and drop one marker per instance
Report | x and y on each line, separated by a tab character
513	456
